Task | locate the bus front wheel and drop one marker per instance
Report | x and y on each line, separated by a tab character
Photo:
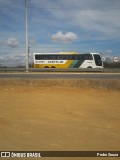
46	67
89	67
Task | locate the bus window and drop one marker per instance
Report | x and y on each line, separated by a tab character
37	57
70	57
78	57
98	60
87	57
90	57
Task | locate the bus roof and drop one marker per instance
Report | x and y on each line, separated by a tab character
46	53
56	53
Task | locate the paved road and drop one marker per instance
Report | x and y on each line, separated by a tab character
60	76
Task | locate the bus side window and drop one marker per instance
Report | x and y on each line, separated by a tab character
83	57
63	57
77	57
59	57
90	57
41	57
36	57
54	57
71	57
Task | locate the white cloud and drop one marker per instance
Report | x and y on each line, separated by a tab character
64	38
96	22
12	42
98	17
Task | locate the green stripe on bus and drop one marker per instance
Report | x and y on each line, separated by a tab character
76	64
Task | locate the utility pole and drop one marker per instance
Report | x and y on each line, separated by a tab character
27	49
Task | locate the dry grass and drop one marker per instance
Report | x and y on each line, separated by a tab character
96	84
59	115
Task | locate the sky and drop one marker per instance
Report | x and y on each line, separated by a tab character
58	25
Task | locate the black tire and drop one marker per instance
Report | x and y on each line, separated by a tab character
53	67
46	67
89	67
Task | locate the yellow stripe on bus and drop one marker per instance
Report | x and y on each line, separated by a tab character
66	65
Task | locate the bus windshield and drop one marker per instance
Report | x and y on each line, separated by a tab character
98	60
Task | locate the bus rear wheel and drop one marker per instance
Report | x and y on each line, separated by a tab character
53	67
46	67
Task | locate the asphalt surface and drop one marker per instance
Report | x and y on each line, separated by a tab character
61	75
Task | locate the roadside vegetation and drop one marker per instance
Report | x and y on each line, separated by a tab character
111	65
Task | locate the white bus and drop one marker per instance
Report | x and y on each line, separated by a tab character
67	60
